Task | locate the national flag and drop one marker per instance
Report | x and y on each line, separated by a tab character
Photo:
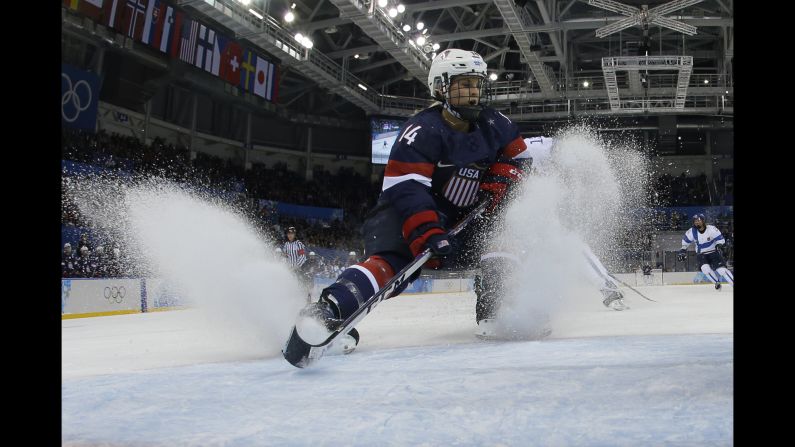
162	27
89	8
176	34
204	49
248	70
261	78
132	20
275	84
271	78
231	58
150	21
215	67
112	12
188	36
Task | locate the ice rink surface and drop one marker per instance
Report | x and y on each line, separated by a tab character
660	373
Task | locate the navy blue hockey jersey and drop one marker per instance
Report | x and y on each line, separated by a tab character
433	168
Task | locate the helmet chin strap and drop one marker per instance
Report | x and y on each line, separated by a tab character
466	113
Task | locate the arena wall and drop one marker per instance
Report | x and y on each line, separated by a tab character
83	297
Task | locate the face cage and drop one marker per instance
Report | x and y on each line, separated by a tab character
484	85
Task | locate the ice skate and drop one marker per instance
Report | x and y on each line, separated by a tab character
717	286
318	320
487	329
614	300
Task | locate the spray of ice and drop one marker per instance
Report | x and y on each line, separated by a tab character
587	195
206	250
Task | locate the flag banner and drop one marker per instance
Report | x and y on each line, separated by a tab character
231	58
79	98
133	15
188	36
150	21
261	78
248	70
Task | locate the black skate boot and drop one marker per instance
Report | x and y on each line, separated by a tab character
717	286
318	320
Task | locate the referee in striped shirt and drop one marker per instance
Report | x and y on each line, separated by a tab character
295	252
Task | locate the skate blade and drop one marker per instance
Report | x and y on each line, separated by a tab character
300	353
345	344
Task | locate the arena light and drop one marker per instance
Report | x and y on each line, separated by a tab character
493	76
586	84
308	42
382	3
436	47
706	81
245	2
362	87
393	12
255	14
406	28
289	17
299	37
420	26
401	8
421	40
356	56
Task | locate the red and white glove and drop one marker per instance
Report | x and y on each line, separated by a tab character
500	180
424	230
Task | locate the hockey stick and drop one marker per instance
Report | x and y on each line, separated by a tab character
302	354
633	289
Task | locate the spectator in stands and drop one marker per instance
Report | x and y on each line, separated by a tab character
100	262
84	264
68	264
84	242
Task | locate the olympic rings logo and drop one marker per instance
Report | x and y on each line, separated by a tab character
71	96
115	294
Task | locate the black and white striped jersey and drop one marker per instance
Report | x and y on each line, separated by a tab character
295	252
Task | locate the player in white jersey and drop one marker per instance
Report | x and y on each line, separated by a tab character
540	149
707	239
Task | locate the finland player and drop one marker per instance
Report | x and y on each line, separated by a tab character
707	239
445	158
539	149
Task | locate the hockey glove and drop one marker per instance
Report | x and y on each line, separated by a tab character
500	181
424	230
432	236
682	256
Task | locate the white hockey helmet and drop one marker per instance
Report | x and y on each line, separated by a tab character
454	62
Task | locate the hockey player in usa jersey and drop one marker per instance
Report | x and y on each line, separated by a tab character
707	239
444	160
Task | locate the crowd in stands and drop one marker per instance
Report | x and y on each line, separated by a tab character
348	190
254	190
682	190
92	262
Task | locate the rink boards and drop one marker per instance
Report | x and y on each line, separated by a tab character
82	297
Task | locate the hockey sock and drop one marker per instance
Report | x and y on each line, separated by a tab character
495	268
710	273
726	274
357	284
